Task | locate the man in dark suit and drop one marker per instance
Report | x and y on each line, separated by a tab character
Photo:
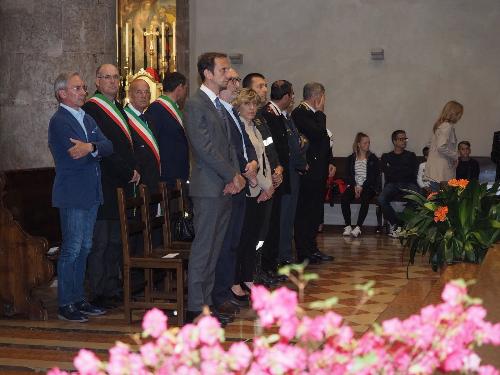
215	174
495	152
118	170
166	116
77	145
281	97
247	160
310	119
146	150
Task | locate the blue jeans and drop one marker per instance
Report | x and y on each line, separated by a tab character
77	227
391	192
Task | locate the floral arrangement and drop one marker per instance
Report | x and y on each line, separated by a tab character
439	338
458	223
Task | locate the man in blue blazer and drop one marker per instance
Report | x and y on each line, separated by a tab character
76	144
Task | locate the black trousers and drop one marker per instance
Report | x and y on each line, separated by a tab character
270	248
345	202
105	261
246	250
309	216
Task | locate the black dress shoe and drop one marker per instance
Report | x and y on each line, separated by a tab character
239	303
227	308
284	263
323	256
103	302
312	259
241	300
191	316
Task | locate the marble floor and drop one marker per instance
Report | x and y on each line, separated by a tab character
31	346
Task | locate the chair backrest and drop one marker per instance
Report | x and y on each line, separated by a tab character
162	197
132	213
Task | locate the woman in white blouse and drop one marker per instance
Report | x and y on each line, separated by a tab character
443	156
363	178
247	103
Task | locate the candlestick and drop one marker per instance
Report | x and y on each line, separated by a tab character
163	39
174	49
126	41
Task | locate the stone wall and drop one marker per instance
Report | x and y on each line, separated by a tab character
38	40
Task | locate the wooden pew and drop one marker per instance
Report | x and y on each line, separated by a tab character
24	266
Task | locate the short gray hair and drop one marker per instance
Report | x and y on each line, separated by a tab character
312	89
61	82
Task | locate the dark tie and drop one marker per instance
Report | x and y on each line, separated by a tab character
222	114
241	128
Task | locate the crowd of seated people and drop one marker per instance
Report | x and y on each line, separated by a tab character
256	169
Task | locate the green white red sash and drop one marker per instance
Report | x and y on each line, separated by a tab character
171	107
112	111
144	132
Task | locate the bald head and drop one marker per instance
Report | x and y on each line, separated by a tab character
139	94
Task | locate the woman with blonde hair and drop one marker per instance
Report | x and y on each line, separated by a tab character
363	176
443	156
258	196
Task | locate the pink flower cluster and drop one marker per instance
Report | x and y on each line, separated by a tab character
439	338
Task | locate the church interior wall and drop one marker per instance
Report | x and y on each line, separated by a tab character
435	51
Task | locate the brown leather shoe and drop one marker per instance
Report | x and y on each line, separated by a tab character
227	308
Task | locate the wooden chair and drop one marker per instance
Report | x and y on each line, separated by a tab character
172	298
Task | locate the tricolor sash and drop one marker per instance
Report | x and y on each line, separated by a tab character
171	107
112	111
144	132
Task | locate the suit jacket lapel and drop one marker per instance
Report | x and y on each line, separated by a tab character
214	111
74	123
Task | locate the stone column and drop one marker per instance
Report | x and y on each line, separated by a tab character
38	40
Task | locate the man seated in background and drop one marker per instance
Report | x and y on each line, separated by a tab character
467	167
400	172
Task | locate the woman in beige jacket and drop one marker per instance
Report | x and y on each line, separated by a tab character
443	155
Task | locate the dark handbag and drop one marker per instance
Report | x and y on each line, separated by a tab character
182	227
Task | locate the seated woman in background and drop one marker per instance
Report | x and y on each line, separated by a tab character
443	155
467	167
363	173
247	103
422	182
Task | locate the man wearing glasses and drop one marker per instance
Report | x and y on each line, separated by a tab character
77	145
118	170
400	169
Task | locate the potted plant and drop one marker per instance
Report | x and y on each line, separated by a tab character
459	223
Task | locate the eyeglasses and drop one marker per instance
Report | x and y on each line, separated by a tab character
78	88
401	139
235	79
108	77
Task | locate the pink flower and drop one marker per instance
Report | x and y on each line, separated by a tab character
149	354
57	371
118	359
454	292
239	356
288	328
210	331
454	361
488	370
87	363
154	323
260	296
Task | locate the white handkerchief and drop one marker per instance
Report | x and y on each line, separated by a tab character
171	255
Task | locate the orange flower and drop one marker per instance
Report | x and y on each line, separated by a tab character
440	213
431	195
461	183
